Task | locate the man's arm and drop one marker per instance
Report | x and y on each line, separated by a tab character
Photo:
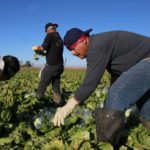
97	63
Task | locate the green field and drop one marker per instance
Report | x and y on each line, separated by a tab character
19	113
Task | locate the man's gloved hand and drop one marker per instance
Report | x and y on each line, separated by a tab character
63	112
34	48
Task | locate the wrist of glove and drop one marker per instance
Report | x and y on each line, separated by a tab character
64	111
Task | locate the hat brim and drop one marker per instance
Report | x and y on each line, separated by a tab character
88	31
55	25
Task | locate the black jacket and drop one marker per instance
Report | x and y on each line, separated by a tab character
53	45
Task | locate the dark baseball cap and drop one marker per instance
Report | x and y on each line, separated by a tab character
50	24
73	35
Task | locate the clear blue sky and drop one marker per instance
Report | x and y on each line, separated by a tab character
22	22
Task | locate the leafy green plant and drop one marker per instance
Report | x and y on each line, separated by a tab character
21	125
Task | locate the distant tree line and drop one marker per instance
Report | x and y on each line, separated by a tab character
26	64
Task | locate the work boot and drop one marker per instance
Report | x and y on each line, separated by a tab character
109	124
56	96
146	123
41	101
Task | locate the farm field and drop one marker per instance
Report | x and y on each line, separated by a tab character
26	126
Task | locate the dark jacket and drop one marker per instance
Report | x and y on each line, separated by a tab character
53	45
116	51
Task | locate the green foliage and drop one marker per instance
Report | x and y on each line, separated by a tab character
78	138
5	115
37	54
24	126
139	138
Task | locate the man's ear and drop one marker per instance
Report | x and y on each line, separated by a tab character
85	41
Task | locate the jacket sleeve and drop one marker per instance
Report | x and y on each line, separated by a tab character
47	41
97	63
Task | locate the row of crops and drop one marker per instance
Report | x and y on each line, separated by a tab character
25	126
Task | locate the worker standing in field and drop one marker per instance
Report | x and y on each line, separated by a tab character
125	55
9	66
53	48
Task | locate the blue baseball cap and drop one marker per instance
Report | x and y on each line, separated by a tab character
73	35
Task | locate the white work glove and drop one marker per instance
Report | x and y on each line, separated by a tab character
34	48
64	111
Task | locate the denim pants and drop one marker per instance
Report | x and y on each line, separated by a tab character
132	87
49	74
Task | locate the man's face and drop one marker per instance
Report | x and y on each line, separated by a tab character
51	29
80	50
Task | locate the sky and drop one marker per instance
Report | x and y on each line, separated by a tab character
22	22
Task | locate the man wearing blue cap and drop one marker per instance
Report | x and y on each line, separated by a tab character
53	45
125	55
9	66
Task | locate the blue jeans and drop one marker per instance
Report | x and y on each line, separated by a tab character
132	86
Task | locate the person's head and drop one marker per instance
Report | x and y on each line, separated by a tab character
50	27
77	41
9	66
